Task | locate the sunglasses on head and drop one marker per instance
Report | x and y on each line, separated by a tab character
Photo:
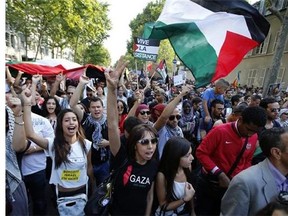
147	141
172	117
145	112
275	110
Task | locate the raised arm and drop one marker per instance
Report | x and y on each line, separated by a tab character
112	80
44	89
35	80
30	134
56	84
139	98
19	142
83	80
161	121
18	78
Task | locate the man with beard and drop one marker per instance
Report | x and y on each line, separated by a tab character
95	129
272	109
216	113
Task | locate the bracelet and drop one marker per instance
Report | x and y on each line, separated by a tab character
20	115
19	123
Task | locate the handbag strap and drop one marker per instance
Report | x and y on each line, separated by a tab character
239	155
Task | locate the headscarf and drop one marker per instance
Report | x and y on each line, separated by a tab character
159	108
141	107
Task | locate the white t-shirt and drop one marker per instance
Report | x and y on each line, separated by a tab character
73	174
35	162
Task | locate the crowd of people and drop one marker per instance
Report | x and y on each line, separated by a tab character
218	150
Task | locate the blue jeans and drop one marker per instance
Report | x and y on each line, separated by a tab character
36	187
101	172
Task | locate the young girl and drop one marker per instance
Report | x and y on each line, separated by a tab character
71	158
173	182
122	114
51	108
133	190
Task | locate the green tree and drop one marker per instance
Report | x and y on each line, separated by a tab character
97	55
150	14
60	23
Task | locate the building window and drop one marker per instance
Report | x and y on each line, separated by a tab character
13	41
260	77
22	41
7	37
280	75
275	41
251	77
263	47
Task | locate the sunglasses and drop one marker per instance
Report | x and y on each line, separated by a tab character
275	110
172	117
147	141
283	197
220	109
145	112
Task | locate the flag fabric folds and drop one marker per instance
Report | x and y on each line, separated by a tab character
162	69
236	81
210	37
47	69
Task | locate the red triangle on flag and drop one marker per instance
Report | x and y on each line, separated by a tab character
135	47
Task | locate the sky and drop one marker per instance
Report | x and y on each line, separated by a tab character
121	13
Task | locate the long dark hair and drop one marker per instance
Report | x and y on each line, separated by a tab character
44	106
136	134
61	146
174	149
125	108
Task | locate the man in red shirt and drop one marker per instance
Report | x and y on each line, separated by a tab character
218	153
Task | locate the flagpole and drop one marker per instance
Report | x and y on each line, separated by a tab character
136	73
135	64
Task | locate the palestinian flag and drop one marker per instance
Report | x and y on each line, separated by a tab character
162	69
210	37
52	67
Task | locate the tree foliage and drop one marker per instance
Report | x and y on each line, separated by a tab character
60	23
150	14
97	55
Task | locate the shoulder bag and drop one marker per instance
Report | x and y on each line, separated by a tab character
100	201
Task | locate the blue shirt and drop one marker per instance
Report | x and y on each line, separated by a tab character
209	95
280	179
